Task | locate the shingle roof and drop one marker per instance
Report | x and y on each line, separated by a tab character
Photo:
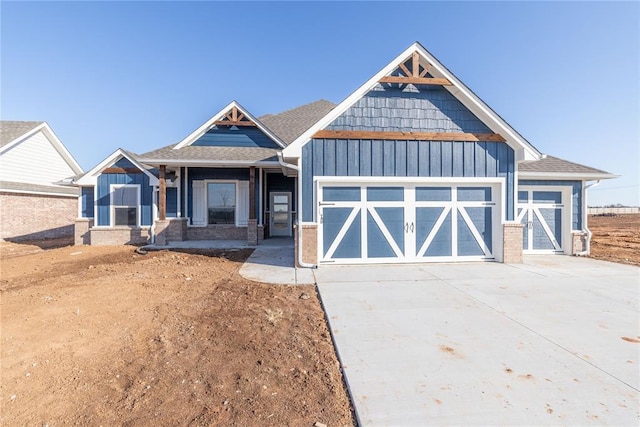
10	130
209	154
550	164
23	187
290	124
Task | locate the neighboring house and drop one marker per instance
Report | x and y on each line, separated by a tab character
411	167
33	165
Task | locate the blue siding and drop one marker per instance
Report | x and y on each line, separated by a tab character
172	202
392	158
410	108
87	202
240	174
242	136
104	198
576	197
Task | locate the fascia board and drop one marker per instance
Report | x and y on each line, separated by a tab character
294	150
205	163
90	178
477	106
39	193
193	136
21	138
62	149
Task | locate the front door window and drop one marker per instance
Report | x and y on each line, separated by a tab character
280	223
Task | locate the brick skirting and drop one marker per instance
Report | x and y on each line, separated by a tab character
119	235
512	243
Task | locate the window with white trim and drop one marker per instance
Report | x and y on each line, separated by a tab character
125	202
221	202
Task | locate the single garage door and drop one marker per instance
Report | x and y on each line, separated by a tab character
544	214
407	223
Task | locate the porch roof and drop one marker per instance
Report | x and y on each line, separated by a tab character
25	187
212	155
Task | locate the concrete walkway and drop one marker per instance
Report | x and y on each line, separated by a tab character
554	341
272	261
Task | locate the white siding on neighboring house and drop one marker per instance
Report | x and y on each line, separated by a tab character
34	161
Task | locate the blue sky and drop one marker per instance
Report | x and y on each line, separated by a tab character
141	75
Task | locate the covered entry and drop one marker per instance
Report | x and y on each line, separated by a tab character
394	222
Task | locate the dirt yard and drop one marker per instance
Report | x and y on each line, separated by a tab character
616	238
104	336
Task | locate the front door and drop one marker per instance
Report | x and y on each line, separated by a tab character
280	218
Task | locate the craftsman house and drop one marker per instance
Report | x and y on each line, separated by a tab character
35	203
411	167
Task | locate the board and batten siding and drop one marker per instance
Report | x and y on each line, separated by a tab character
34	161
576	196
105	181
86	202
400	158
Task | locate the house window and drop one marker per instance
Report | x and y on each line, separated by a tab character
221	202
125	200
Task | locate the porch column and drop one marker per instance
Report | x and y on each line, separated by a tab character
252	228
252	192
162	196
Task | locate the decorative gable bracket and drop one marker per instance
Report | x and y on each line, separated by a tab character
417	75
233	117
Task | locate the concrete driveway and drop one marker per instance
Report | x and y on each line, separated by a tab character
552	341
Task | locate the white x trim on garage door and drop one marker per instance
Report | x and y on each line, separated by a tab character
395	222
545	213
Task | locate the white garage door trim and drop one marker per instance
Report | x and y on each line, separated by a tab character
408	248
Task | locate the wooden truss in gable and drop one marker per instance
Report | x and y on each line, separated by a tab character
417	75
234	117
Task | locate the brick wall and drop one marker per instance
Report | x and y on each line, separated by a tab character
309	244
31	216
120	235
512	243
170	230
579	243
217	232
81	229
252	232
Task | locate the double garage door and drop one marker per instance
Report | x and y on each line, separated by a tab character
394	223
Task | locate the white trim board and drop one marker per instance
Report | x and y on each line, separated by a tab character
91	177
193	136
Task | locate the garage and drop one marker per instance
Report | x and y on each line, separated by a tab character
394	222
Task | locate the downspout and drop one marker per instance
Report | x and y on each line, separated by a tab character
585	216
298	221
